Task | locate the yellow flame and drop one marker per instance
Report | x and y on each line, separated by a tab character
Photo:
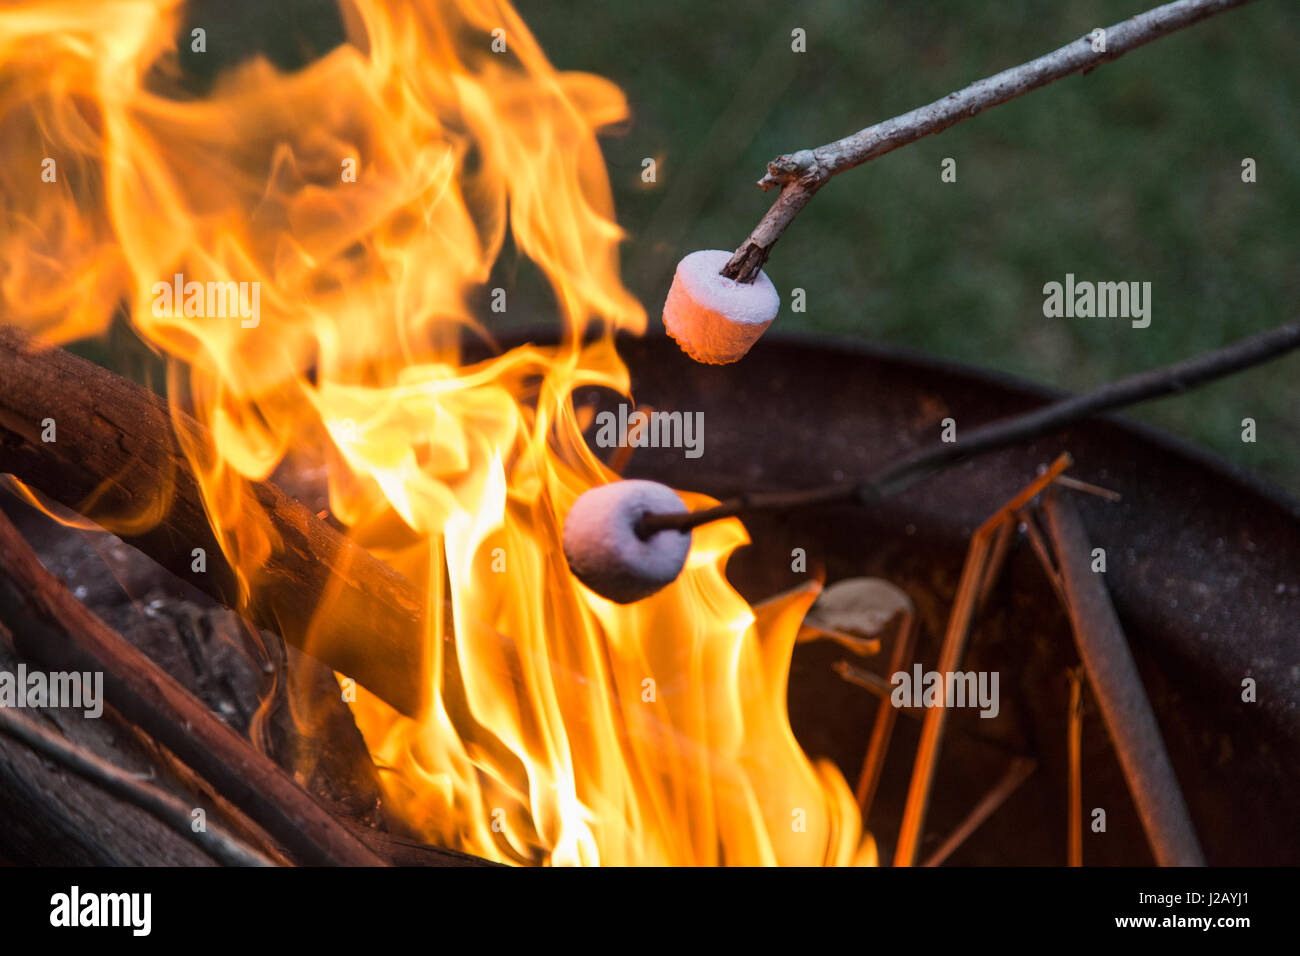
308	249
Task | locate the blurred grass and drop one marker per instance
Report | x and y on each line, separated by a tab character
1130	173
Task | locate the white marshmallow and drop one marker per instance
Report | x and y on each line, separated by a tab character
602	546
714	319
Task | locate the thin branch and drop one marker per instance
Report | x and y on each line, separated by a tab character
1074	742
1029	522
932	727
979	561
802	173
214	839
906	469
882	728
1017	773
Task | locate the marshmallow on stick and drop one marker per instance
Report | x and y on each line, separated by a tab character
714	319
607	555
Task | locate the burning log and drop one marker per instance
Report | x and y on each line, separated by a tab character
173	812
54	818
52	627
115	453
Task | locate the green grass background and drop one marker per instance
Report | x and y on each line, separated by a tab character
1132	172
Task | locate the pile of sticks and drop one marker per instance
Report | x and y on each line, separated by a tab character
115	446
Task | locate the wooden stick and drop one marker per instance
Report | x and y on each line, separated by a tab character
886	715
115	454
214	839
51	626
1089	488
927	751
1017	773
1074	738
1001	549
802	173
1029	521
1120	694
49	817
973	576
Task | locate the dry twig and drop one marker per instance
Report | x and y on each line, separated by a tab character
802	173
886	713
1017	773
1074	741
975	574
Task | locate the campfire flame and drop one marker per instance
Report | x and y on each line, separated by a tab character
325	321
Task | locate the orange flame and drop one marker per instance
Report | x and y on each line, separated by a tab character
307	249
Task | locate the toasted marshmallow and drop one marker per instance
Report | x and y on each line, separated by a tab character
714	319
606	554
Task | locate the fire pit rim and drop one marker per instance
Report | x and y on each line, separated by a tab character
976	375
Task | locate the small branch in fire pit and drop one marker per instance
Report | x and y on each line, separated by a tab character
1018	772
974	575
903	471
1074	742
886	713
802	173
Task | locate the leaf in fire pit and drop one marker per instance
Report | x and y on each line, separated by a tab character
855	612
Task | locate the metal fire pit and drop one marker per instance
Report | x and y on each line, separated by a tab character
1203	565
